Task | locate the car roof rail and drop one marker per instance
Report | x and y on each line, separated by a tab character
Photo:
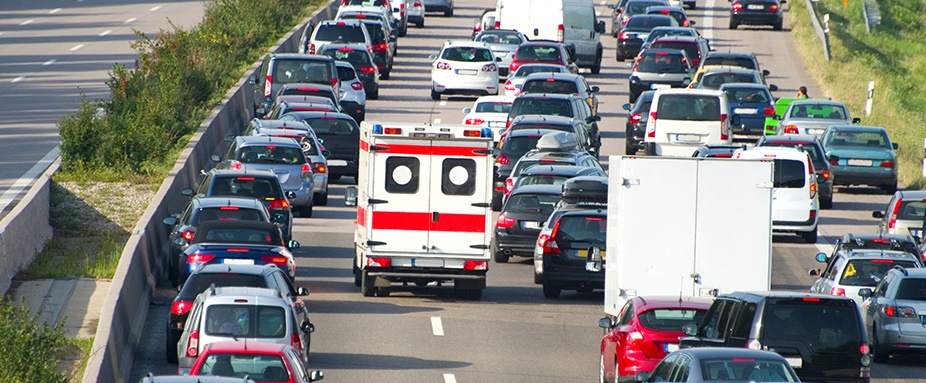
902	270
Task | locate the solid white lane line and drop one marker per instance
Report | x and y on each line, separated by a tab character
449	378
104	33
129	21
54	11
436	327
597	13
709	20
155	9
27	22
49	62
18	79
27	178
443	103
437	121
76	47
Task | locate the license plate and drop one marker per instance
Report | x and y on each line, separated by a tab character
745	110
234	261
530	225
497	124
427	262
467	72
687	137
816	131
337	163
857	162
671	347
660	86
501	54
584	253
755	7
795	362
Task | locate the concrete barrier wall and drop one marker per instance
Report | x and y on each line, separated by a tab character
143	262
25	230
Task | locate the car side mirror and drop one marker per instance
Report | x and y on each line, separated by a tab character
170	221
691	22
350	196
856	120
307	327
302	291
895	146
187	192
641	377
252	79
877	214
600	27
179	241
316	376
290	194
467	110
866	292
773	88
215	158
690	329
279	221
821	257
432	57
292	244
326	153
814	272
765	72
626	107
606	323
595	89
498	59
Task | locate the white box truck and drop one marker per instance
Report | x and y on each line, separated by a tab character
687	227
572	22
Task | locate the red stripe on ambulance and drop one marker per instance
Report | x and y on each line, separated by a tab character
462	223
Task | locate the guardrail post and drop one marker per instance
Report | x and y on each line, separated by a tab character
871	94
826	34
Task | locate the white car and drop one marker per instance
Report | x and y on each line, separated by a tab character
416	13
491	112
464	67
353	96
516	79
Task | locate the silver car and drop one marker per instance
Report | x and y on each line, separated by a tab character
353	96
904	214
812	117
847	273
284	157
312	147
503	42
895	314
516	80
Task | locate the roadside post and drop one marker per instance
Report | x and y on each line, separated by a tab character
871	94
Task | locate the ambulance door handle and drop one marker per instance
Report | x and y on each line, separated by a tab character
435	216
480	204
372	201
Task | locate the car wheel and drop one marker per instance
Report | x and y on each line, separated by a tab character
449	12
357	280
496	202
810	236
434	95
585	289
629	149
383	291
384	76
596	67
880	356
733	24
173	270
374	95
551	290
826	203
498	255
366	288
619	57
633	97
890	188
403	32
538	279
170	349
777	26
320	199
306	211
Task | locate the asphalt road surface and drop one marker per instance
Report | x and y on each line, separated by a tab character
513	335
52	52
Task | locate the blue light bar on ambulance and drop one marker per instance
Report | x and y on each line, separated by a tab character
377	129
484	132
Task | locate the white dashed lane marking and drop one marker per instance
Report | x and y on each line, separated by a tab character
76	47
443	103
155	9
27	22
18	79
49	62
54	11
129	21
436	326
104	33
437	121
449	378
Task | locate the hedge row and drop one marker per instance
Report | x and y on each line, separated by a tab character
178	78
31	350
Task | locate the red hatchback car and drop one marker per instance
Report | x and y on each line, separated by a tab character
646	330
260	362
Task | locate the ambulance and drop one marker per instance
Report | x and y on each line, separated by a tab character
423	207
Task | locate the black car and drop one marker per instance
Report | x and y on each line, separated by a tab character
570	247
624	9
630	37
219	275
206	209
813	147
383	48
521	218
756	12
636	122
587	135
822	336
511	148
553	174
363	63
340	135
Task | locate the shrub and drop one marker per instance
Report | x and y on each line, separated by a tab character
31	350
179	76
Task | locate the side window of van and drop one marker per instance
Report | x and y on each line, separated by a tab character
458	176
744	319
402	174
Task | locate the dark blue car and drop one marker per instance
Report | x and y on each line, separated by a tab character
238	243
753	103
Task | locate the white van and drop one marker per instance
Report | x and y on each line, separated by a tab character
794	194
681	120
572	22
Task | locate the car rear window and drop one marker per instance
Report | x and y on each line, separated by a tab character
739	62
467	54
789	174
538	53
546	86
691	49
640	6
670	319
541	105
662	63
690	107
333	126
351	55
562	128
829	325
857	139
807	147
745	370
259	154
579	228
249	321
258	367
226	213
646	23
346	74
308	91
528	163
820	111
515	147
539	203
341	33
198	283
238	235
525	70
868	272
715	80
376	31
247	186
493	107
656	34
500	37
542	179
747	95
911	289
287	71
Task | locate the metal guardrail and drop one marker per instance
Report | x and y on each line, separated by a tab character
821	32
871	14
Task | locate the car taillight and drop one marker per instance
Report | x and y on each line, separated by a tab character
899	311
192	344
887	164
634	337
235	165
893	221
509	184
180	307
199	258
737	6
319	167
513	67
549	244
379	262
475	265
296	342
505	222
473	121
813	215
417	4
489	68
635	118
724	133
502	159
509	85
559	33
278	204
838	291
368	69
813	190
442	65
357	85
624	19
624	35
268	86
278	260
188	235
769	110
498	24
380	47
651	125
791	129
312	49
826	174
773	7
306	171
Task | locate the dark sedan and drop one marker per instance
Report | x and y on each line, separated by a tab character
511	148
631	36
521	218
756	12
237	243
636	122
339	134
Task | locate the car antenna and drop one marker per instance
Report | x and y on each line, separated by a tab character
680	287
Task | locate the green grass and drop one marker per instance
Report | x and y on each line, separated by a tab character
75	363
892	56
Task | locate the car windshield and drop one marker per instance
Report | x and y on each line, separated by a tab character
198	283
715	80
257	367
259	154
579	228
541	105
868	272
493	107
528	163
832	112
538	53
532	203
739	62
500	37
690	107
670	319
515	147
857	139
661	62
647	23
340	33
789	174
467	54
911	289
247	186
226	213
746	370
525	70
351	55
747	95
250	321
691	49
287	71
547	86
830	325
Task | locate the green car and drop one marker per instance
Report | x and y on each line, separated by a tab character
781	106
861	155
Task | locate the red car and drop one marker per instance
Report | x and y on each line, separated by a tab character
646	330
261	362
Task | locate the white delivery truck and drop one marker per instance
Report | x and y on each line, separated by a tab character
423	206
687	227
572	22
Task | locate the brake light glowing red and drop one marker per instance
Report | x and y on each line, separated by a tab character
509	184
245	178
235	165
635	118
278	204
769	110
887	164
773	7
505	222
356	85
624	35
473	121
502	159
238	250
380	47
836	291
392	131
180	307
893	221
319	167
791	129
187	235
737	6
368	69
379	262
199	258
809	299
278	260
475	265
